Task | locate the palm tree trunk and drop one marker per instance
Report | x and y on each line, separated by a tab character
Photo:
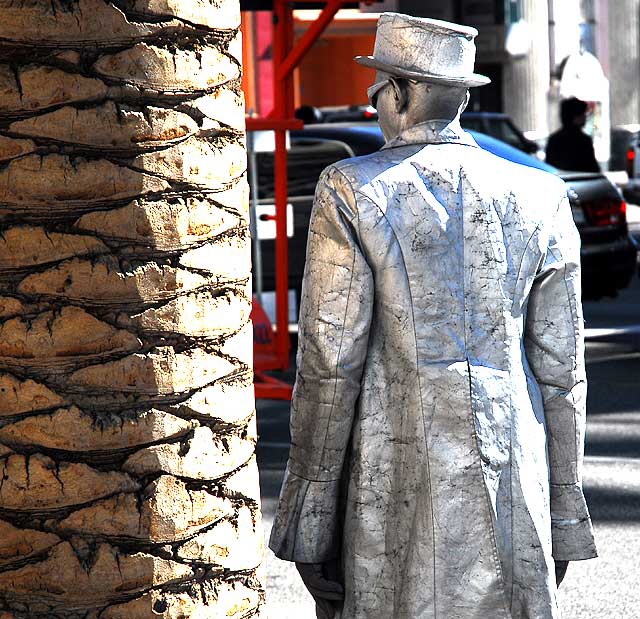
129	486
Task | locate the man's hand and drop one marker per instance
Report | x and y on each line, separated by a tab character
561	570
321	581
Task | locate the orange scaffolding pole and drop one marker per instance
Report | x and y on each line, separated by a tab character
286	57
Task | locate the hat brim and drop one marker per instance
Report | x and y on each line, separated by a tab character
471	81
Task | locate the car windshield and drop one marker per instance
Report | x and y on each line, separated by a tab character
506	151
501	129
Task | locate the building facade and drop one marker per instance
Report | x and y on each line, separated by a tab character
535	51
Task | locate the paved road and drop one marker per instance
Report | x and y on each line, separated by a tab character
609	587
605	588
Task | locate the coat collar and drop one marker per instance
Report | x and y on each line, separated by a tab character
432	132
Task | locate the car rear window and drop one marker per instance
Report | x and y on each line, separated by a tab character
502	130
305	161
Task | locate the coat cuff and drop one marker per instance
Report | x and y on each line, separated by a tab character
570	524
305	528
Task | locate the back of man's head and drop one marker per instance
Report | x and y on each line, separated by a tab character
445	102
571	109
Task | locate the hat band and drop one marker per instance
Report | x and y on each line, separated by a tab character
424	75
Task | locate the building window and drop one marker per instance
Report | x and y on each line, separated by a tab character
480	12
489	12
513	11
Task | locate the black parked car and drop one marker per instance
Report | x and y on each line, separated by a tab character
336	114
608	254
495	124
625	155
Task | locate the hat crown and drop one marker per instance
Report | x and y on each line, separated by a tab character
424	48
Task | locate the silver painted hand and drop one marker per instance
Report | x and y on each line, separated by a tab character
561	570
327	593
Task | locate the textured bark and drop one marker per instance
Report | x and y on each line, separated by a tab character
129	486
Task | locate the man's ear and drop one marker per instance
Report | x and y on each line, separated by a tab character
400	93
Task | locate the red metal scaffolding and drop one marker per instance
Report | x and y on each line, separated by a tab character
286	57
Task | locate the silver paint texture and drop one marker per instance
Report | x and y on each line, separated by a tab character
439	408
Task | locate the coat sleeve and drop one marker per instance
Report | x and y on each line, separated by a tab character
554	344
335	314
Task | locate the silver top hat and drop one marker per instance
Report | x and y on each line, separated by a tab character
427	50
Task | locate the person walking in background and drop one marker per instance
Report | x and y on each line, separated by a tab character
570	148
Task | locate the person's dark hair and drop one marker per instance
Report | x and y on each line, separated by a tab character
570	108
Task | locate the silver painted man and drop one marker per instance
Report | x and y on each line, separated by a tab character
439	407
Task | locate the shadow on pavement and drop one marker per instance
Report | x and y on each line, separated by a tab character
613	504
613	374
624	448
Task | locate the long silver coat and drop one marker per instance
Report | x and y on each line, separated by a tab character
439	408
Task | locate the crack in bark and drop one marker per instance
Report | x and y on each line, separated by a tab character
203	588
16	213
184	35
76	394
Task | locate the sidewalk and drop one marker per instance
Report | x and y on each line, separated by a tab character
287	597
